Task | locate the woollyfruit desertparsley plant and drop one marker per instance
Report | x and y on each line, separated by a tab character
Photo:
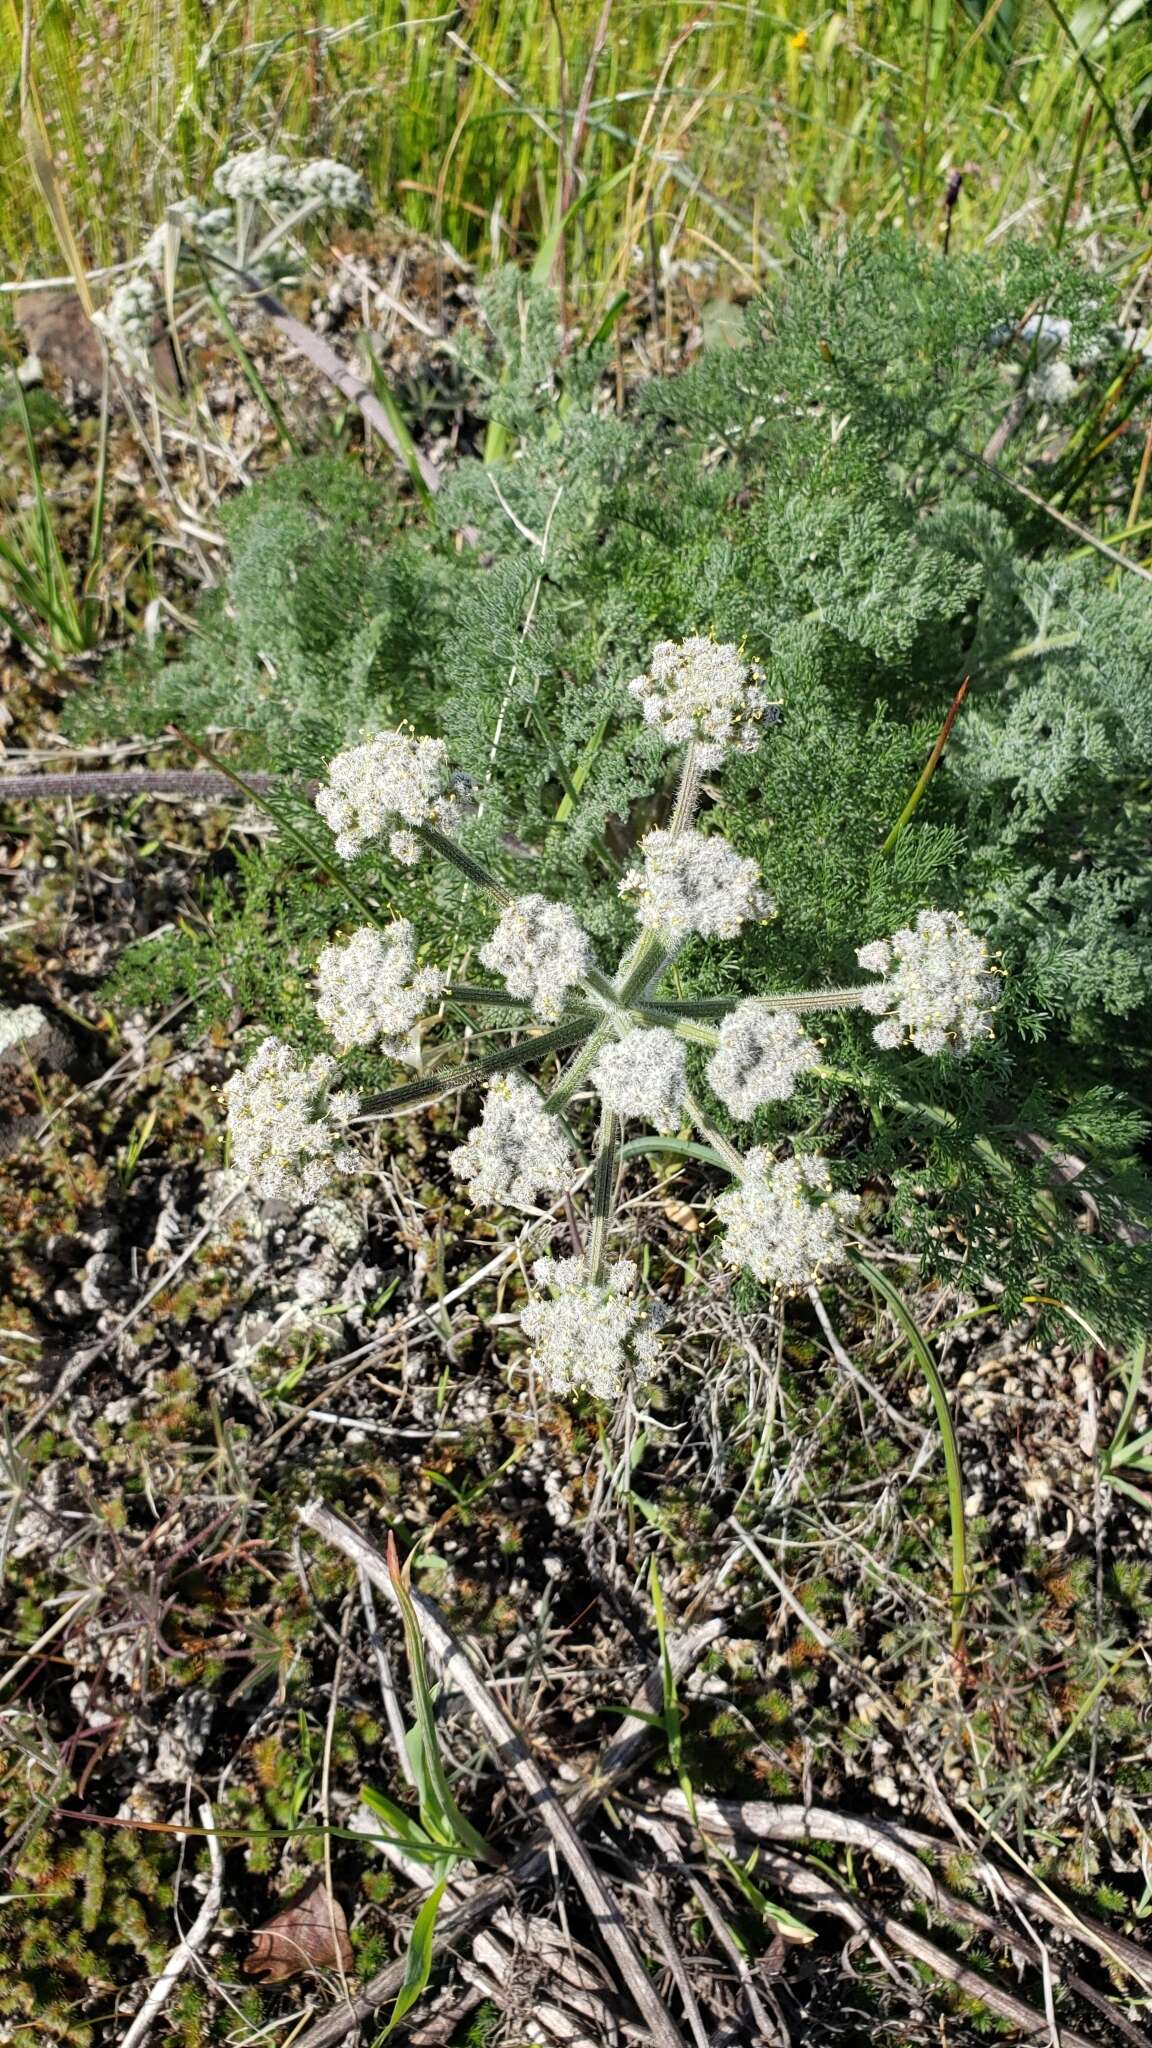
618	1037
264	197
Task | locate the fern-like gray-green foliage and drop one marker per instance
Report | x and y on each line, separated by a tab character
817	494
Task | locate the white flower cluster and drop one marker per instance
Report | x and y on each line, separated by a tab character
690	883
642	1075
371	988
257	174
784	1223
938	988
335	184
700	690
387	785
516	1149
762	1052
590	1334
283	1122
128	320
266	175
214	226
541	952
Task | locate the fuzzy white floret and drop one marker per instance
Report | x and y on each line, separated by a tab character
370	988
128	320
20	1024
938	988
336	184
211	225
258	174
690	883
762	1053
284	1123
516	1150
541	952
642	1077
700	690
784	1224
387	785
588	1334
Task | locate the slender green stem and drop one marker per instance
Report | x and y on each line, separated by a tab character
450	1080
646	967
719	1006
441	843
688	794
601	987
716	1140
939	1394
577	1069
696	1034
471	992
635	967
603	1191
930	767
289	831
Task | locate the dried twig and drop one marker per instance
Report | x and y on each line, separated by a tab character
189	1946
127	783
616	1763
388	1693
770	2029
331	366
816	1890
512	1750
902	1848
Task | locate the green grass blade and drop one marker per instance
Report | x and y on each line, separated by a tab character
938	1391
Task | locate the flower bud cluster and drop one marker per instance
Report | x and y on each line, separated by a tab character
698	690
938	987
128	321
690	883
784	1224
370	988
516	1150
262	174
334	184
541	951
212	226
762	1054
266	175
589	1334
387	785
283	1123
643	1076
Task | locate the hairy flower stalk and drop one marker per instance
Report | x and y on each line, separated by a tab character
784	1221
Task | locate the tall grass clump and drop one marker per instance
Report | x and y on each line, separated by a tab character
704	132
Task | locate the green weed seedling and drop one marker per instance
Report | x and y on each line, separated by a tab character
441	1835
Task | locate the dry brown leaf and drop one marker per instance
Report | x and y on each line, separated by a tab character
681	1215
310	1933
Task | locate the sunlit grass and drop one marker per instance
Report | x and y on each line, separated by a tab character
716	127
